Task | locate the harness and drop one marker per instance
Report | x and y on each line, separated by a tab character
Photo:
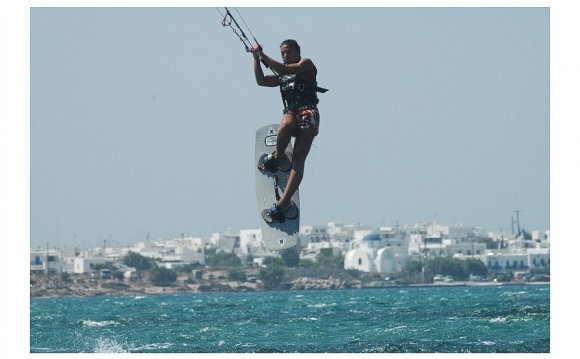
297	93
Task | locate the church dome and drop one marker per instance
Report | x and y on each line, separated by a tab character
372	237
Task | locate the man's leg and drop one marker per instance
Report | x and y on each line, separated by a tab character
286	129
302	147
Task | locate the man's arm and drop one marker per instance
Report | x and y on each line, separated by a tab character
299	67
269	80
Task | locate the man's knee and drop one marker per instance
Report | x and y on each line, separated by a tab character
287	129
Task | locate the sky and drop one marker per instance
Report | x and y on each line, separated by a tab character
142	120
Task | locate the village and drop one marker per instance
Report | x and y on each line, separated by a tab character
380	255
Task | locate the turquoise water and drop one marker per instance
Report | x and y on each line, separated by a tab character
512	319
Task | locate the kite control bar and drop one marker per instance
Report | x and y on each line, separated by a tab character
228	20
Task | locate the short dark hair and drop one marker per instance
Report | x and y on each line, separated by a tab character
291	43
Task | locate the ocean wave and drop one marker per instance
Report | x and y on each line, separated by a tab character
342	321
305	319
96	323
153	347
208	329
486	342
321	305
396	329
498	320
108	345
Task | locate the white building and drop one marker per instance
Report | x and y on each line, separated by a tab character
312	249
313	234
183	250
531	258
444	241
541	236
251	242
47	260
371	253
226	242
87	265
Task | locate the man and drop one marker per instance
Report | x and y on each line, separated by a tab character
297	80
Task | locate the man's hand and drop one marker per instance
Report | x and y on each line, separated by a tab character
256	50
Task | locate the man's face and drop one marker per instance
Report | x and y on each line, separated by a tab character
289	54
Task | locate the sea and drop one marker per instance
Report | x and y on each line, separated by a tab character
430	319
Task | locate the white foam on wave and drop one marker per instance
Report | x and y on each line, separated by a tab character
304	319
514	294
317	305
107	345
487	342
396	329
498	320
95	323
321	305
207	329
152	347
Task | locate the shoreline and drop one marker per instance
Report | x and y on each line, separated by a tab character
48	288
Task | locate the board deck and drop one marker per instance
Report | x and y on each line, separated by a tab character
276	236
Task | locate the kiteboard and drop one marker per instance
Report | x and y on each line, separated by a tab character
269	186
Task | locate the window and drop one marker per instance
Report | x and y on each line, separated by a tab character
360	261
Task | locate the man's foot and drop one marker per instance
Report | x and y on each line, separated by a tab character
292	211
270	163
273	214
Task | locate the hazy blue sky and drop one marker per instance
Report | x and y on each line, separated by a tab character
142	121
